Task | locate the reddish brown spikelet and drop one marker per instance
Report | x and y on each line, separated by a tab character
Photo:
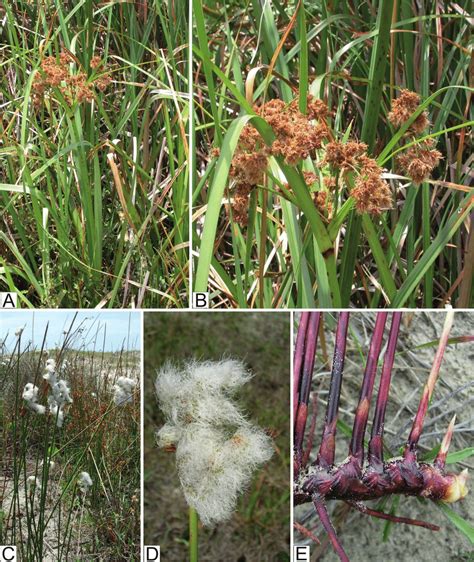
55	73
344	156
96	62
240	203
249	167
403	108
419	160
296	136
371	192
321	200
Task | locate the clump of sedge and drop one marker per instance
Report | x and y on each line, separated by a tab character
419	160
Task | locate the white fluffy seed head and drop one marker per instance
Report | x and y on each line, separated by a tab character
168	436
50	377
30	392
123	390
62	393
217	448
57	410
84	482
30	396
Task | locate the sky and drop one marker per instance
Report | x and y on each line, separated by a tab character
122	328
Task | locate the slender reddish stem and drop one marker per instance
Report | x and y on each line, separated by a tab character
312	427
309	356
388	517
326	522
298	359
418	422
356	448
305	386
327	449
376	440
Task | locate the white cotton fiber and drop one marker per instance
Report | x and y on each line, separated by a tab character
217	448
30	396
123	390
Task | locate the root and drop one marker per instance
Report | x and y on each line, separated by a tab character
326	523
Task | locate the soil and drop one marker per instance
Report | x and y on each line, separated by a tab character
362	536
29	499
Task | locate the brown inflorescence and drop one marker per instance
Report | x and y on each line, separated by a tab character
344	156
404	107
419	160
240	203
56	73
371	193
297	136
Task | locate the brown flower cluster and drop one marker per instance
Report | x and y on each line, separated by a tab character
419	160
55	73
404	107
321	197
344	156
297	136
371	192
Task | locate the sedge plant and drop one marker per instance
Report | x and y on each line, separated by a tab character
335	155
70	466
93	153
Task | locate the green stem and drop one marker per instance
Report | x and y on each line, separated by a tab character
193	535
373	104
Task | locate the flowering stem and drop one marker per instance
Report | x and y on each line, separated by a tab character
193	535
304	362
298	359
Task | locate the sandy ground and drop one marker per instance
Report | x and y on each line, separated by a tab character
362	536
28	500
